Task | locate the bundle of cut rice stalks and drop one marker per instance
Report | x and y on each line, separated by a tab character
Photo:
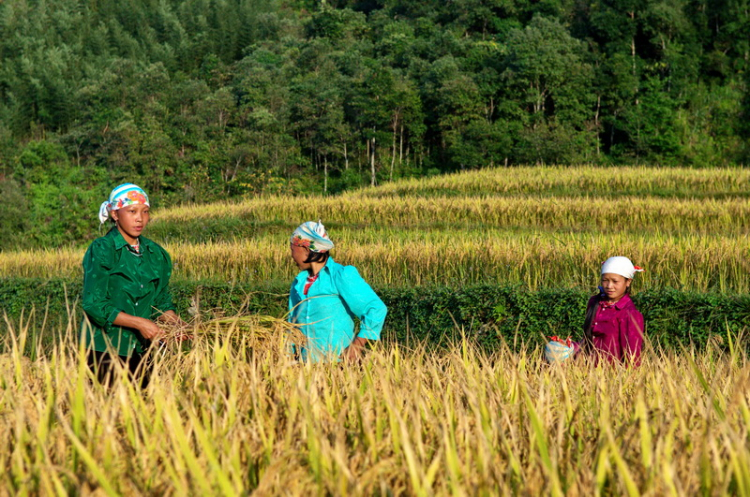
257	331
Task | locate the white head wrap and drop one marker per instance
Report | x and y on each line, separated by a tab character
622	266
312	235
122	196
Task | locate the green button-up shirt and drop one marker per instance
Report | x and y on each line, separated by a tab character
116	279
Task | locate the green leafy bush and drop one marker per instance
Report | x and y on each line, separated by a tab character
489	314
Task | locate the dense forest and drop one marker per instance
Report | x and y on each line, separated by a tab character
198	100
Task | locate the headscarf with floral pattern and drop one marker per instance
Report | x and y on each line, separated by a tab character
122	196
313	236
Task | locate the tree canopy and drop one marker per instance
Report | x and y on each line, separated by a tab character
198	100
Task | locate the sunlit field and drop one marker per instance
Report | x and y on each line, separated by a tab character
411	258
230	412
234	414
538	227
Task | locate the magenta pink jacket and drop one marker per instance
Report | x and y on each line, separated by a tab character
617	331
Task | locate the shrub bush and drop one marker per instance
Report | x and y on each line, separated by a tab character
489	314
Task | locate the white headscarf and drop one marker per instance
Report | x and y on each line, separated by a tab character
620	265
312	235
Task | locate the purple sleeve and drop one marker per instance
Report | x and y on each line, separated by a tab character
631	337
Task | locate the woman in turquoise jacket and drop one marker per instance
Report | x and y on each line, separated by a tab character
326	298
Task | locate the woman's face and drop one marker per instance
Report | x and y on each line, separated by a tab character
132	220
299	256
614	286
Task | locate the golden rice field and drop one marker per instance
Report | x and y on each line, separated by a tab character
537	227
536	260
582	180
230	413
234	415
632	214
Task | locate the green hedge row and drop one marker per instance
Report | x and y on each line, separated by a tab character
490	314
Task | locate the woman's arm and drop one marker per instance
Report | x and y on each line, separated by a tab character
354	351
96	266
147	328
363	302
631	337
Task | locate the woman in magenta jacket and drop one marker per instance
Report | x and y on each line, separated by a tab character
613	328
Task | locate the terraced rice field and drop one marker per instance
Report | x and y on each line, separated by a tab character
539	227
231	413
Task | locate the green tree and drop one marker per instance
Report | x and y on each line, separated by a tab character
14	215
551	85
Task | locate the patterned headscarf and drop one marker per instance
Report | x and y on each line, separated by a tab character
122	196
312	235
620	265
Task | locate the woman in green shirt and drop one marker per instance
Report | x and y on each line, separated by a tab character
125	287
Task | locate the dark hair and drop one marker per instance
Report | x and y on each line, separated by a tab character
316	256
588	323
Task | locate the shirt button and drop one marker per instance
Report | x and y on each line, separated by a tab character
136	303
141	286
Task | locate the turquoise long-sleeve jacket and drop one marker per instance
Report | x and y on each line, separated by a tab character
326	314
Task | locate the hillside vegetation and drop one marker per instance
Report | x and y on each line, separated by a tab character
206	100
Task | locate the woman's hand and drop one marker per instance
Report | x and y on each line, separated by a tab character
171	317
353	353
149	330
179	328
145	327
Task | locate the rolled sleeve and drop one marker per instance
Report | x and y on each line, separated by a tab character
96	302
363	302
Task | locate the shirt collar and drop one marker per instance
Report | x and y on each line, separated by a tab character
619	305
117	238
120	242
327	268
